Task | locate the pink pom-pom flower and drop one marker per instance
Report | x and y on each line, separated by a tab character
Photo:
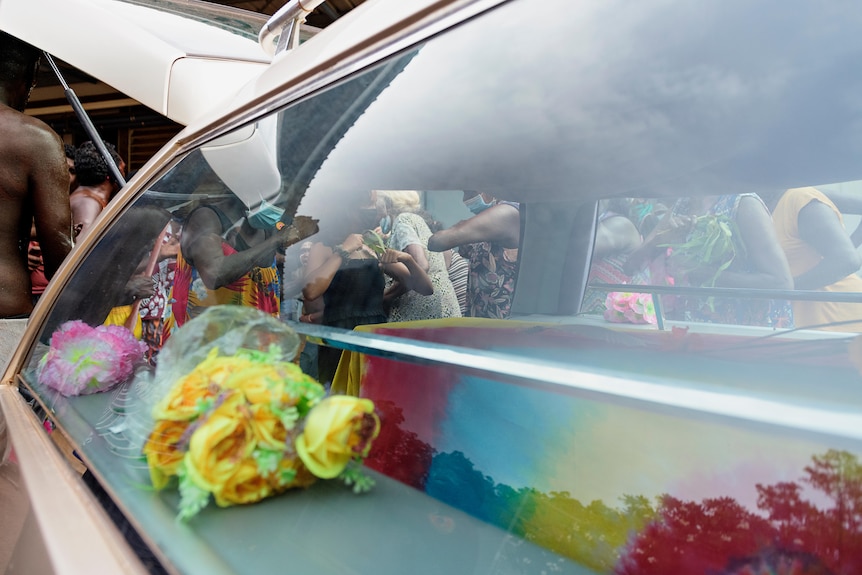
84	359
627	307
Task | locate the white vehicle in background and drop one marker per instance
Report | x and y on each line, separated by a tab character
549	442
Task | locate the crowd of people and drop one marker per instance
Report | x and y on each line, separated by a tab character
791	239
221	252
388	261
391	261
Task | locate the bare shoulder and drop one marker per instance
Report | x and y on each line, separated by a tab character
28	139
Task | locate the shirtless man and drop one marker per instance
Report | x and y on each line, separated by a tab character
34	181
96	185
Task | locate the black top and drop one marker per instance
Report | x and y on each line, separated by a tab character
355	295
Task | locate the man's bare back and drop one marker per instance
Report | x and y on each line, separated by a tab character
34	187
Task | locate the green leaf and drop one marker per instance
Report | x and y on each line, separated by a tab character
355	477
374	241
267	460
192	498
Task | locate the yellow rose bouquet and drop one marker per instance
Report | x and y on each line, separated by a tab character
247	425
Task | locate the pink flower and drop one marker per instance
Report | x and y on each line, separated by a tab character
84	359
627	307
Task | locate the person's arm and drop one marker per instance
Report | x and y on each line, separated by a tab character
202	242
395	290
323	264
406	271
50	192
408	229
312	311
84	212
820	227
417	252
671	228
848	203
499	224
764	252
615	235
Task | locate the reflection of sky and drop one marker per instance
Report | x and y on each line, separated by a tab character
527	438
613	96
505	428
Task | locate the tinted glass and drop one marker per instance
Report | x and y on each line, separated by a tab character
535	431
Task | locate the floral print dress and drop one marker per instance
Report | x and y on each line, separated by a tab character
411	229
259	288
491	286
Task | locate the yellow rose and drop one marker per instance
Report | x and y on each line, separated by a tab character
337	429
275	382
246	485
182	403
163	457
269	432
203	382
217	447
260	383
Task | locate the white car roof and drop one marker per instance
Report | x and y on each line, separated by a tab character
180	59
354	31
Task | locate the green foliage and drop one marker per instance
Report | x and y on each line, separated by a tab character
355	477
374	241
713	244
267	460
192	497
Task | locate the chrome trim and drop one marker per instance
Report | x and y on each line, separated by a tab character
290	17
634	390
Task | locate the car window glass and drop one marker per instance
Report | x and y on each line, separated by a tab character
474	205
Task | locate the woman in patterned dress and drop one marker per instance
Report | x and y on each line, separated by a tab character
409	233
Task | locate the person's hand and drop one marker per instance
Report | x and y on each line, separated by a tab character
34	256
391	256
301	228
352	243
700	276
305	226
306	318
672	228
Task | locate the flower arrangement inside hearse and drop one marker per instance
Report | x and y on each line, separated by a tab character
230	418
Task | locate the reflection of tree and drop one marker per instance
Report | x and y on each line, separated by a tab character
589	534
690	537
789	536
398	453
833	534
792	536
